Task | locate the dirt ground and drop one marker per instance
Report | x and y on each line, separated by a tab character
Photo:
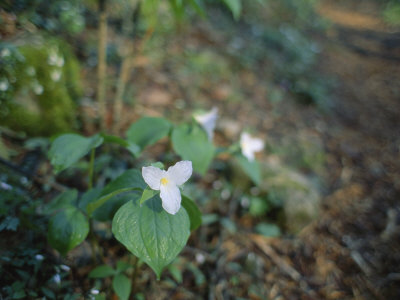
352	250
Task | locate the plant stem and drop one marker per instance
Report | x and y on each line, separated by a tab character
94	244
102	63
91	168
134	274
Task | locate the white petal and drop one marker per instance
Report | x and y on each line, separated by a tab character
207	121
180	172
152	176
257	144
248	153
171	198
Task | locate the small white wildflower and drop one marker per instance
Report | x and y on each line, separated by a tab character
57	278
225	194
4	85
38	88
55	75
65	268
168	182
94	292
53	57
200	258
245	202
5	186
207	121
5	52
250	145
60	61
39	257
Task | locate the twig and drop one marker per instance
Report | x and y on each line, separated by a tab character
102	63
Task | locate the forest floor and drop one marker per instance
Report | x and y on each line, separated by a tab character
352	251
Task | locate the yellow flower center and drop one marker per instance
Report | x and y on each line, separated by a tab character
164	181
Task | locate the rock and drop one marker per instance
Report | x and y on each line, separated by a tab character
296	192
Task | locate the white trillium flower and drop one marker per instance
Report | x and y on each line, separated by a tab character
168	182
250	145
207	121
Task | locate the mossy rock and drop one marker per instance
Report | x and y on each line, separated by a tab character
45	88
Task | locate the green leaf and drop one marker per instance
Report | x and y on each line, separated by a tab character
191	143
159	165
101	272
89	197
67	229
147	194
258	206
235	7
150	233
268	229
67	149
122	266
251	168
122	286
91	207
147	131
111	197
63	200
176	273
193	212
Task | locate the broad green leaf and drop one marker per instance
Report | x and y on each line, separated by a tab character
91	207
101	272
150	233
235	7
147	194
251	168
89	197
191	143
67	229
112	196
193	212
113	139
63	200
147	131
122	286
268	229
67	149
122	266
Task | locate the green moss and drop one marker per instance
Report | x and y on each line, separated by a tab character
46	89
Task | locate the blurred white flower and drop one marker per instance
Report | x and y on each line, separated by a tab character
55	75
94	292
39	257
4	85
38	88
250	145
5	186
200	258
5	52
207	121
55	59
168	182
65	268
57	278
